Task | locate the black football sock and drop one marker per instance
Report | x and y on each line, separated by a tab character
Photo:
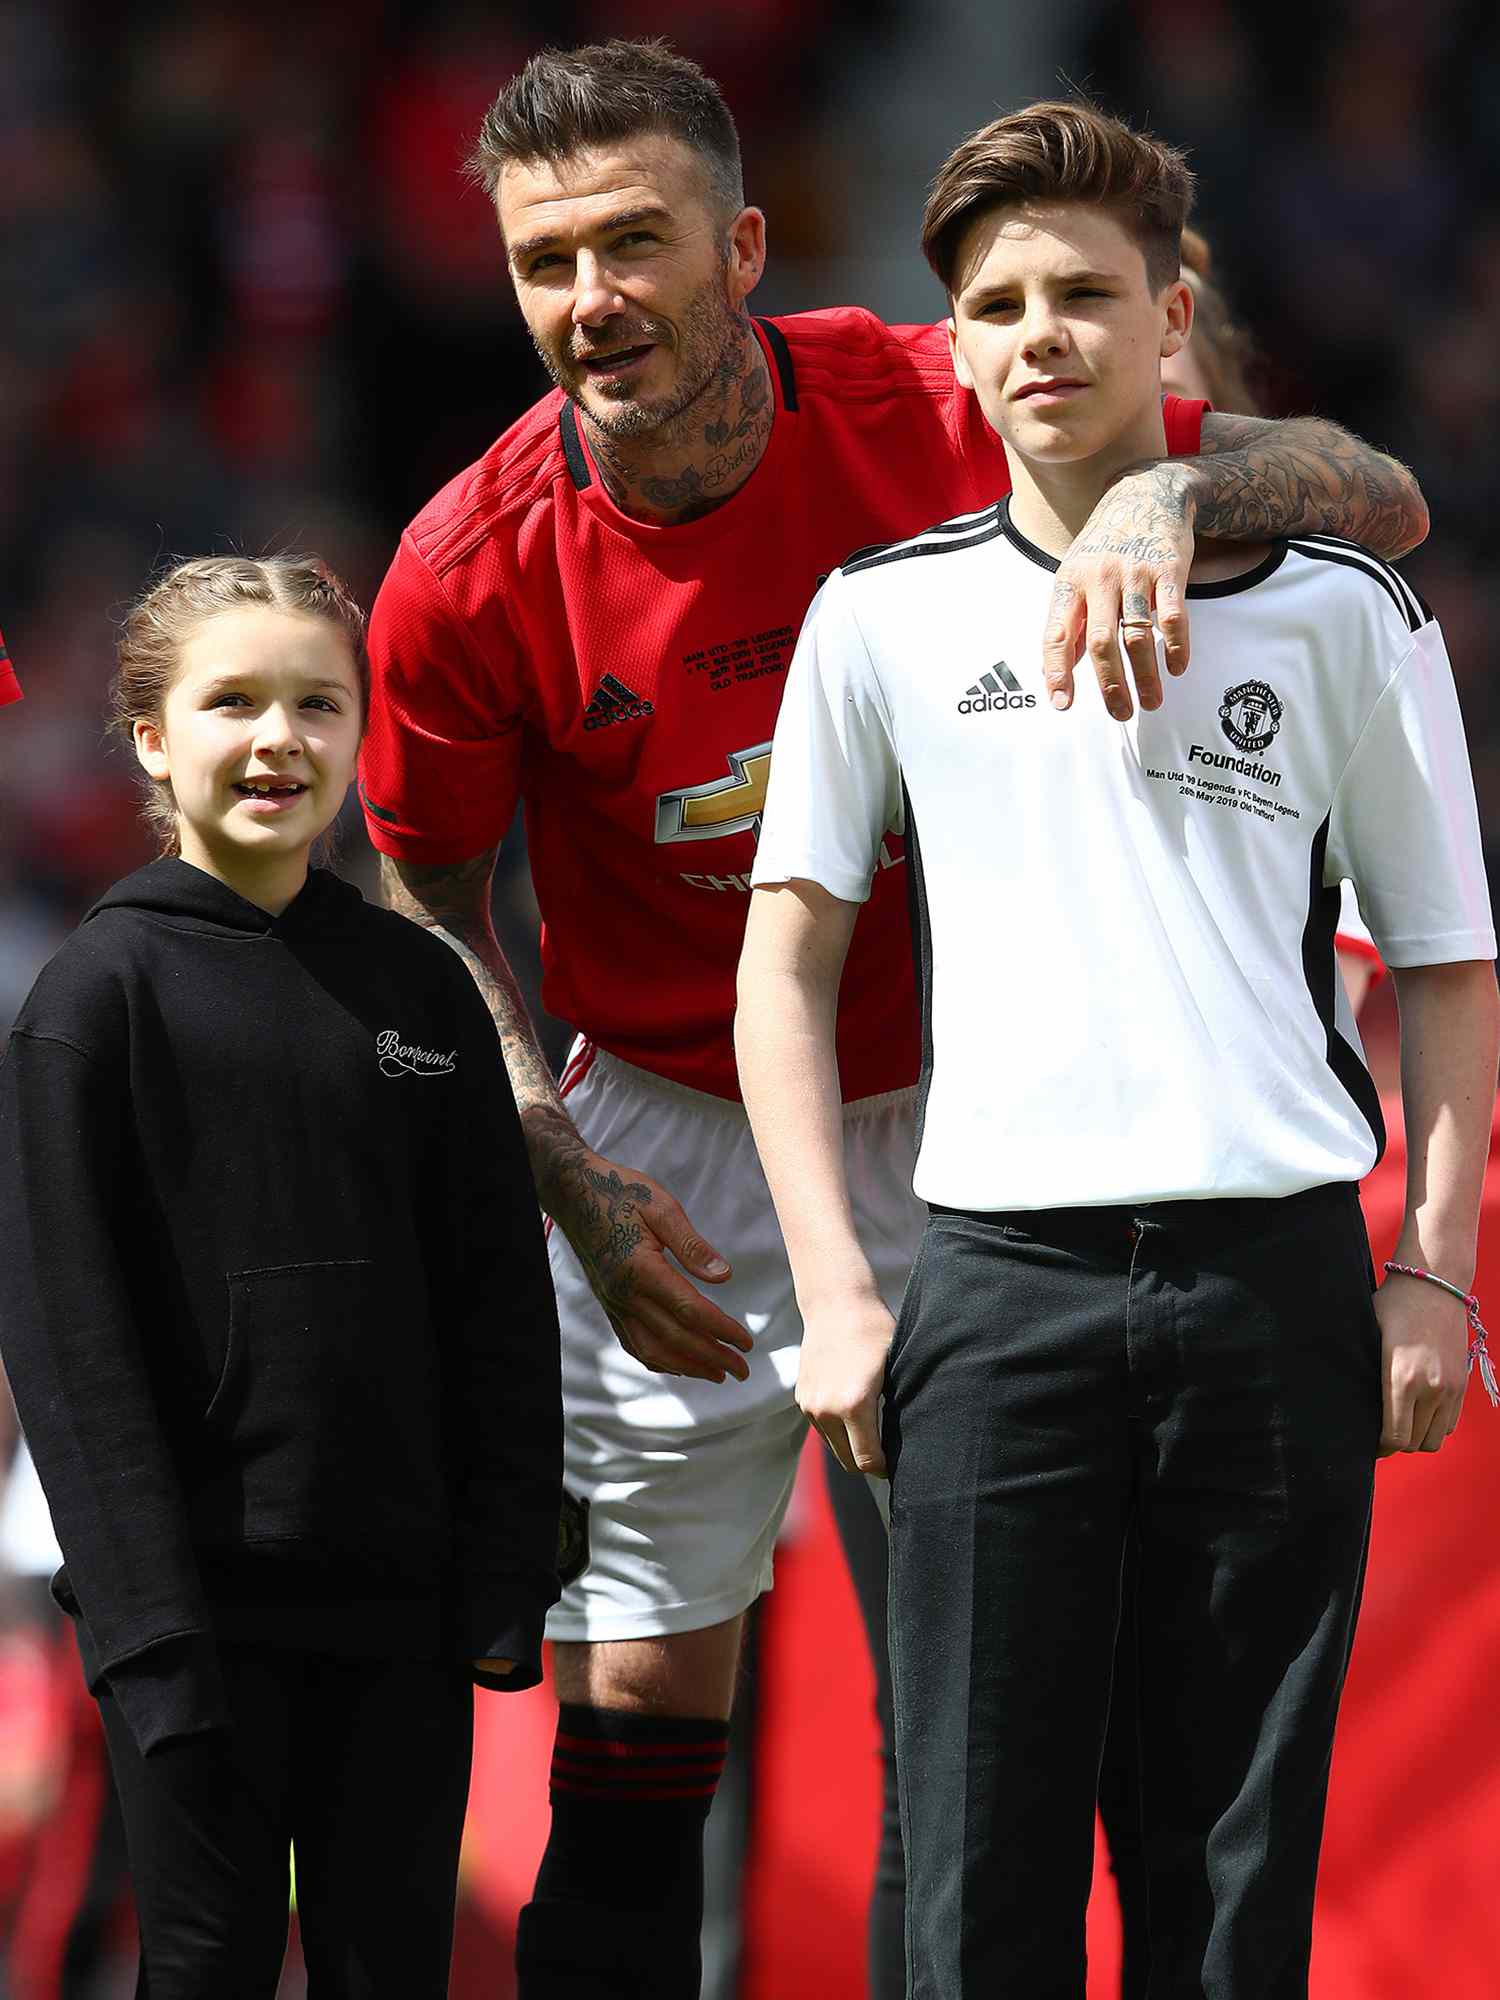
618	1905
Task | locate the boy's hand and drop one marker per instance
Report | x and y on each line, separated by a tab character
1425	1364
1127	569
840	1378
495	1666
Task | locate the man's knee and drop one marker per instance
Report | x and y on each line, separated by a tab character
686	1674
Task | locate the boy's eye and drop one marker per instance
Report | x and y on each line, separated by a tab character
323	701
228	701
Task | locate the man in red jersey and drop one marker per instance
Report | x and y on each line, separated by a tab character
596	618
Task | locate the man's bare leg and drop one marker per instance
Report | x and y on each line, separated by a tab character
642	1730
679	1673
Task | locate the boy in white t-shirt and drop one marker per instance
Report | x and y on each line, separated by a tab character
1145	1289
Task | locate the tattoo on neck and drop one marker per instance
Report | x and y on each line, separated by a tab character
690	474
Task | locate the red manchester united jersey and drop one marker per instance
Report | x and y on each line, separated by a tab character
622	680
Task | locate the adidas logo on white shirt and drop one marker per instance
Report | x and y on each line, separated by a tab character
997	689
614	702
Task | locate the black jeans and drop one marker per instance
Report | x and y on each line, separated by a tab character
1213	1369
363	1767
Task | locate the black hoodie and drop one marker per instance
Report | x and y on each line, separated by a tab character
274	1298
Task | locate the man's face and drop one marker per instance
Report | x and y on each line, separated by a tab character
1057	331
631	282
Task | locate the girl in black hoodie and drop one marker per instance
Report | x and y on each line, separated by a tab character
276	1310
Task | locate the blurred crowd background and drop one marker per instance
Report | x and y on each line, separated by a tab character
247	300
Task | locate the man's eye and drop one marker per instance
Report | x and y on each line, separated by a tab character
632	237
1088	292
542	263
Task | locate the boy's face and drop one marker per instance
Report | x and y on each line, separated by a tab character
1056	330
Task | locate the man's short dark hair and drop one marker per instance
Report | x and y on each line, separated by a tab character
1063	151
566	99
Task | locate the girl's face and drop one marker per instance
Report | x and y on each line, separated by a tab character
258	738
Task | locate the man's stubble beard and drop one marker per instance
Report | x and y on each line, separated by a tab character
711	347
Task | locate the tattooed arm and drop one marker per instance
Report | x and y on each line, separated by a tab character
1303	476
1253	480
620	1223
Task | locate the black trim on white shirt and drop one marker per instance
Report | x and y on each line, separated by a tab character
1320	969
1328	548
939	541
921	951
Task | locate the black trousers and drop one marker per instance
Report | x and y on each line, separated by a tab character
1211	1369
1120	1792
361	1766
867	1552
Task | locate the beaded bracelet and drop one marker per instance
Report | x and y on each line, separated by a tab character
1479	1349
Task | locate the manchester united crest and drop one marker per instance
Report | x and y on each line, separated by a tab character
1250	714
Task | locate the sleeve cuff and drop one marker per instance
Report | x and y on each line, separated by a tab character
172	1690
504	1620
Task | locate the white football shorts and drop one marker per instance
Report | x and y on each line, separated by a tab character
687	1481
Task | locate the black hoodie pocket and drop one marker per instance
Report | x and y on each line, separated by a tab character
325	1424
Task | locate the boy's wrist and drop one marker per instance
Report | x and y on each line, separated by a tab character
1450	1258
834	1292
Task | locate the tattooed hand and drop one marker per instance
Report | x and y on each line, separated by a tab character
1128	567
1251	480
622	1227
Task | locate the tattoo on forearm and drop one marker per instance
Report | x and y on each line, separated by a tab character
1304	476
454	903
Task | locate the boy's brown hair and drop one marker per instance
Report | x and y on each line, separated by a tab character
1063	151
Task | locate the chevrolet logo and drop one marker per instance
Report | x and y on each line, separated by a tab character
724	805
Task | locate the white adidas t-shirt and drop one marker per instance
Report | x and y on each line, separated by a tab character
1124	933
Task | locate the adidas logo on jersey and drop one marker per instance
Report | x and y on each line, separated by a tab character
615	702
998	688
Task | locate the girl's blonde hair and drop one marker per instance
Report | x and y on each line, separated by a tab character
160	623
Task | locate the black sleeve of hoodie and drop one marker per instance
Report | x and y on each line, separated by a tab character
72	1350
498	1319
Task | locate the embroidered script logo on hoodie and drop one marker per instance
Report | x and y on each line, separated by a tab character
398	1058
